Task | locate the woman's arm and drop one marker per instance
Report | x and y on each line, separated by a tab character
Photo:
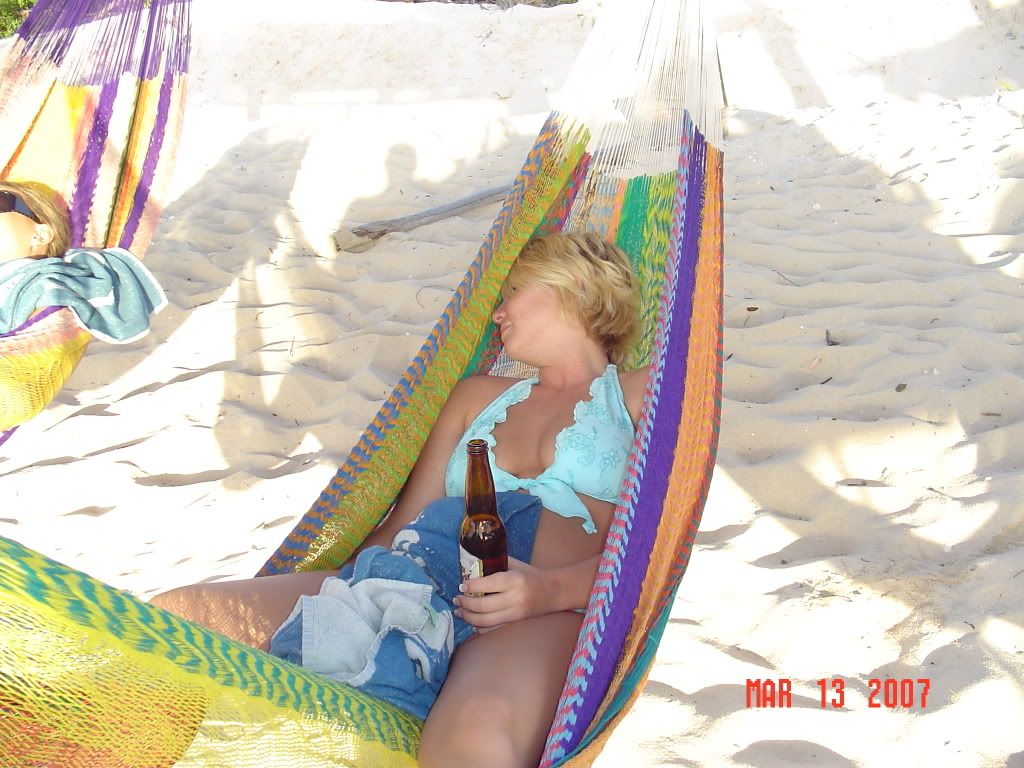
524	591
426	482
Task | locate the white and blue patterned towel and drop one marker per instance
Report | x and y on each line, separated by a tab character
386	623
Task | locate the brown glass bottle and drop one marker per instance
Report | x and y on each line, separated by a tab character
482	545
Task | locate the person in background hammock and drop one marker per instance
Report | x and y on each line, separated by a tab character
39	229
110	292
560	441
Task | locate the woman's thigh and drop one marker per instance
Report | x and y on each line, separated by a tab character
501	694
247	610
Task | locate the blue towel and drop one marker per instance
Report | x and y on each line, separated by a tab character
110	291
386	623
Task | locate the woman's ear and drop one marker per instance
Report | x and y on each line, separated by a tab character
41	239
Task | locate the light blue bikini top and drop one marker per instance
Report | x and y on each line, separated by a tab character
590	454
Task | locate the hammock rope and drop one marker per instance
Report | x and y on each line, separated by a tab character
637	158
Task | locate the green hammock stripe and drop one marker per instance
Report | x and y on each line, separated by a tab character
650	268
633	217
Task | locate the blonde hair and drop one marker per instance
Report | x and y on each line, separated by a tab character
48	208
594	283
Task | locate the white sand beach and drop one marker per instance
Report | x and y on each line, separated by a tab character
866	516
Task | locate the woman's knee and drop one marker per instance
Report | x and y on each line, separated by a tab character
475	730
480	707
176	600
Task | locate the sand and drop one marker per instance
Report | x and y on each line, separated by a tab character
865	518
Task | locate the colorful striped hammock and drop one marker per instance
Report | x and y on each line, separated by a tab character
91	103
90	676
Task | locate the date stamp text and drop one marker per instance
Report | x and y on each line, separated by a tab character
883	693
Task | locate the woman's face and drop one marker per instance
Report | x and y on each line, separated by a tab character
533	327
16	233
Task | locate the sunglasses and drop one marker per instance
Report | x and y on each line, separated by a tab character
12	203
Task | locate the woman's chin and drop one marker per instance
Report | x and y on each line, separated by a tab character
513	353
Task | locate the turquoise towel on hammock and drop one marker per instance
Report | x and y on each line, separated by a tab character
110	291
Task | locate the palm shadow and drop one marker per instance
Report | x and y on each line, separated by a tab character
356	317
312	329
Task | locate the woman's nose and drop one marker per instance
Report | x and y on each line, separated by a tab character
499	313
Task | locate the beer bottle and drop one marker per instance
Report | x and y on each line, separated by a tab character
482	546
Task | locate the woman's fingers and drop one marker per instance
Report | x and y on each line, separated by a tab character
485	603
501	597
489	610
495	583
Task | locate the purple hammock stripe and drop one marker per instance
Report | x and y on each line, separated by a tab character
566	726
56	19
53	25
156	140
88	175
5	435
652	493
31	321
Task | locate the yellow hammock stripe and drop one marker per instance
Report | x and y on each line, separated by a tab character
35	365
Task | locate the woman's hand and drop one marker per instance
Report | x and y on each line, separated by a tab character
521	592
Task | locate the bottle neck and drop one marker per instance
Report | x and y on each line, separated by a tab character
480	497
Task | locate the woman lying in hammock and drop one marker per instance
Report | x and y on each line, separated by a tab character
110	292
569	309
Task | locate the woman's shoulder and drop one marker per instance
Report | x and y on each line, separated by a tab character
633	384
473	393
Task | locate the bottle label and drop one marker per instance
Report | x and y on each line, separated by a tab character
471	565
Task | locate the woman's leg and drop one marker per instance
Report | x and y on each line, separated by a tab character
499	699
247	610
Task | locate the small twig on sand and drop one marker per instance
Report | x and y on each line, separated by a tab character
786	278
